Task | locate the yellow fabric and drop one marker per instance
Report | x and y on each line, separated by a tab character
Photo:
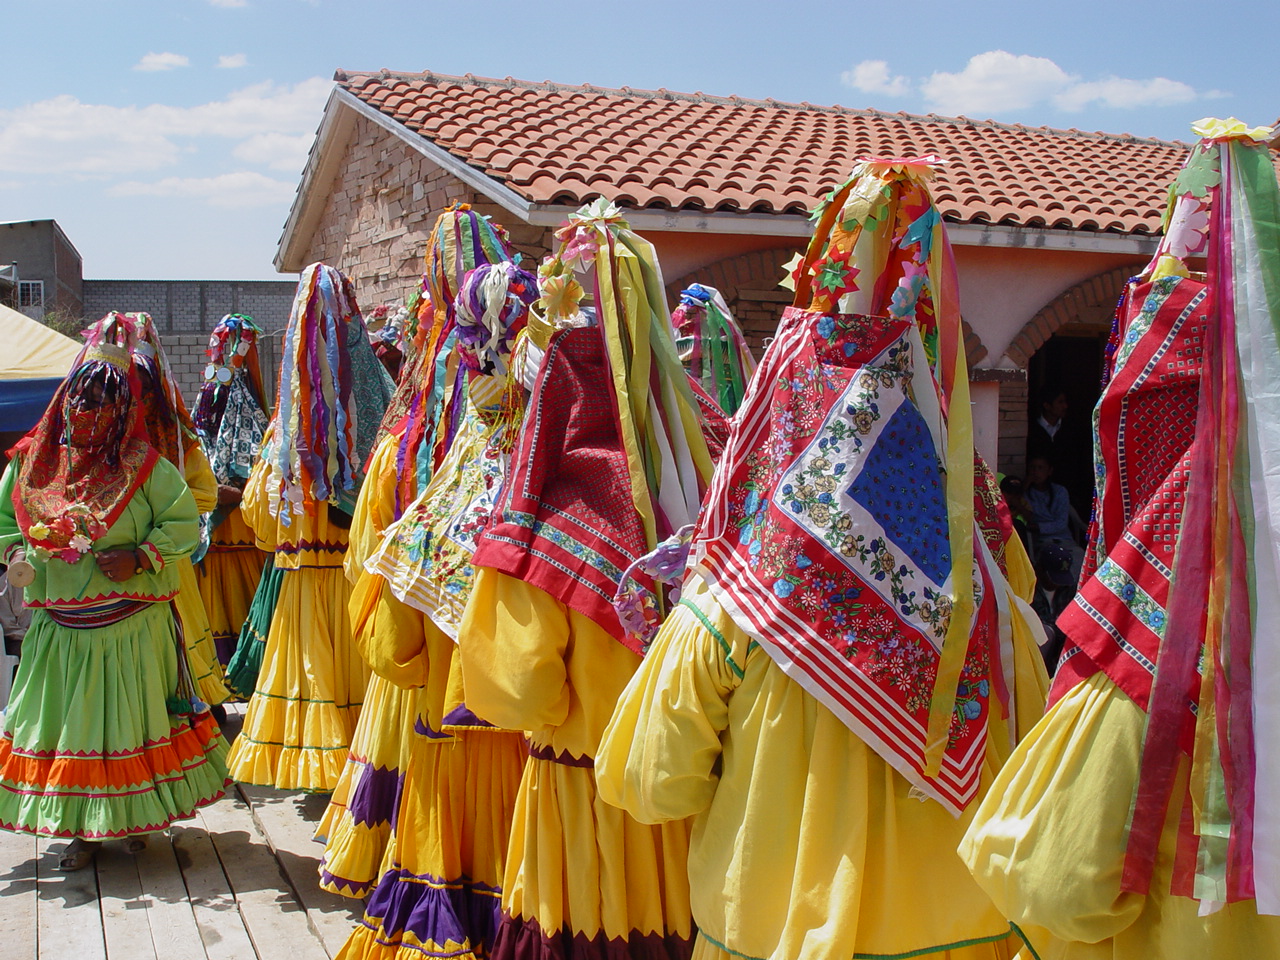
805	842
576	863
375	507
454	823
199	476
228	576
309	540
300	719
1048	845
383	736
202	653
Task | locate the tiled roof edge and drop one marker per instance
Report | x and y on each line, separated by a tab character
343	76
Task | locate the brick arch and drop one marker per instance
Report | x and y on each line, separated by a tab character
1091	301
761	270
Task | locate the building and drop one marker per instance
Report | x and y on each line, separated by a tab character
184	311
45	268
1047	224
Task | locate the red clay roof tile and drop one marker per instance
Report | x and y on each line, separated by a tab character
654	148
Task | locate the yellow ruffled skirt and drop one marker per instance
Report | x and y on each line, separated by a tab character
440	893
228	579
585	871
301	717
356	825
202	654
1048	846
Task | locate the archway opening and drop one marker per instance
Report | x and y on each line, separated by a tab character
1067	365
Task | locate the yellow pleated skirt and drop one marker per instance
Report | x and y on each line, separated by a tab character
228	579
356	826
303	713
440	894
1048	846
202	654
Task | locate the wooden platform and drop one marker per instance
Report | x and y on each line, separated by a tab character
237	882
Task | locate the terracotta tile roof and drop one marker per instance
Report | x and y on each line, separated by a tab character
657	149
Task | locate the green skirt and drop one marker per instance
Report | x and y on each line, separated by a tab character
89	748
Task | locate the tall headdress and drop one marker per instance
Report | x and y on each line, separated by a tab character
1188	462
332	395
840	531
231	415
712	347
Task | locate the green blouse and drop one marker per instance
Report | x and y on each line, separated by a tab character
160	518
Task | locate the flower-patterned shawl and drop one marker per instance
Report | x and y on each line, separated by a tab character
231	415
426	554
840	531
68	496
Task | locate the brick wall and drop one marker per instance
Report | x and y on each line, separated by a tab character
383	202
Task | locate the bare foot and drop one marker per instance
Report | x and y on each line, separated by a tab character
135	845
77	855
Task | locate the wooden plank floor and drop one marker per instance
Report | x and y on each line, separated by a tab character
238	882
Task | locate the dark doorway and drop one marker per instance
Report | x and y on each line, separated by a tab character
1070	362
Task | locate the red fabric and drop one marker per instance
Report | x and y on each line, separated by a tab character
566	523
826	537
82	490
1145	446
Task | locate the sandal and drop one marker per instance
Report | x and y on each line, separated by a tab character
135	845
77	855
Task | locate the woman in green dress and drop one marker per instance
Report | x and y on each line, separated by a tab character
103	737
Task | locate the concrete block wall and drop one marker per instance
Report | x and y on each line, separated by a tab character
185	311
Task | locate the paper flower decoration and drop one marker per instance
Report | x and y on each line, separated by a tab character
792	268
561	295
834	276
1211	128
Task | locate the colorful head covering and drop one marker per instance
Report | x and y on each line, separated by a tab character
1186	440
840	531
332	396
164	411
86	457
426	555
602	474
430	399
712	347
231	416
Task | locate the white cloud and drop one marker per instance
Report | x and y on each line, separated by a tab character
1126	94
245	188
153	62
872	76
64	136
231	61
996	82
229	4
279	151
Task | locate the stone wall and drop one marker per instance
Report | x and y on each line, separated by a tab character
380	209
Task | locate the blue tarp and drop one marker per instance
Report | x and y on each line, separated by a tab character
23	401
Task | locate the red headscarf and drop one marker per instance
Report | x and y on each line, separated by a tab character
86	457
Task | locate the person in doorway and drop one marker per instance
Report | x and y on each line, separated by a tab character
1053	520
1055	588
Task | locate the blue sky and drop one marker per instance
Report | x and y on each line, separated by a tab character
167	137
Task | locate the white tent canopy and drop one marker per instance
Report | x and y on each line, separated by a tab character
31	351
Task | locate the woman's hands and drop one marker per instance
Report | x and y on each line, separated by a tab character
120	565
